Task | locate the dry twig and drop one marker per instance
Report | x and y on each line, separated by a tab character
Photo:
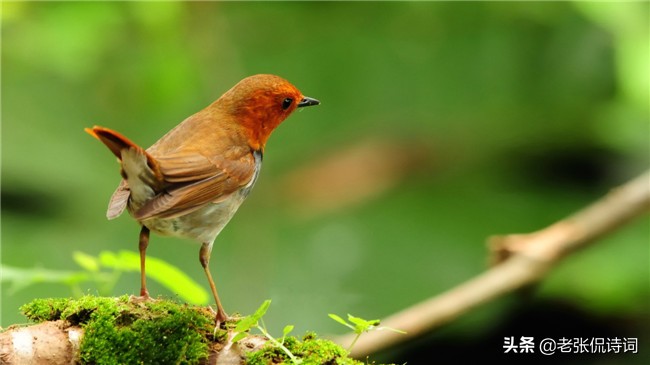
521	259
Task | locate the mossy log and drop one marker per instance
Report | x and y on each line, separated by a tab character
99	330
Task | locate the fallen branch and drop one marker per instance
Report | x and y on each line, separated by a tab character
520	259
58	342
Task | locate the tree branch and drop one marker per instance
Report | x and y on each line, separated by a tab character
520	259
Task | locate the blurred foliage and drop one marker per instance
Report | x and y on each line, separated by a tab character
441	124
104	271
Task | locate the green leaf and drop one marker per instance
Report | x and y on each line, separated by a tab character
239	336
358	321
245	324
20	278
261	311
340	320
87	262
109	260
173	278
287	329
159	270
362	325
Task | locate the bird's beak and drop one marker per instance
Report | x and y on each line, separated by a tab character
307	101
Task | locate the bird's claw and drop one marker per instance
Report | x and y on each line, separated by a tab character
220	317
141	299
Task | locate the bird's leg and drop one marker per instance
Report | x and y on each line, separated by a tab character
204	258
144	242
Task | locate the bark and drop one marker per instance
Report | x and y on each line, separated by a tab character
57	343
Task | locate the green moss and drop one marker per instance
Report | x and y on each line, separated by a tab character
118	331
41	310
312	351
121	331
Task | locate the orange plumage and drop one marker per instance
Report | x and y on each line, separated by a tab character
192	180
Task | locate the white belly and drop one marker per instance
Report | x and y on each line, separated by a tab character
202	225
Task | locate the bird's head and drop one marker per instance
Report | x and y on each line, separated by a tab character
260	103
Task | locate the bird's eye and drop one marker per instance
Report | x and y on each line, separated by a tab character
286	103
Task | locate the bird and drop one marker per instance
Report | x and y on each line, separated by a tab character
190	182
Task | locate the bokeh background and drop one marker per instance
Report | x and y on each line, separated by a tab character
441	124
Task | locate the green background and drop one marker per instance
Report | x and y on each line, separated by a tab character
441	124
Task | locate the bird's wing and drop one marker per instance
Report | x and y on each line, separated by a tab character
193	180
119	200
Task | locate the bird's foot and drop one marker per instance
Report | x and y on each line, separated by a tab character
141	298
220	317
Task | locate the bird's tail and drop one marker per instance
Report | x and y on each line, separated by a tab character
117	143
141	172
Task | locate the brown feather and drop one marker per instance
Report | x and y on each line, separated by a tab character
119	200
116	142
187	166
185	193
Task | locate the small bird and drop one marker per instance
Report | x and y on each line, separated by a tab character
190	182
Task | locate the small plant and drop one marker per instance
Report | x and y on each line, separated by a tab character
245	324
360	325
